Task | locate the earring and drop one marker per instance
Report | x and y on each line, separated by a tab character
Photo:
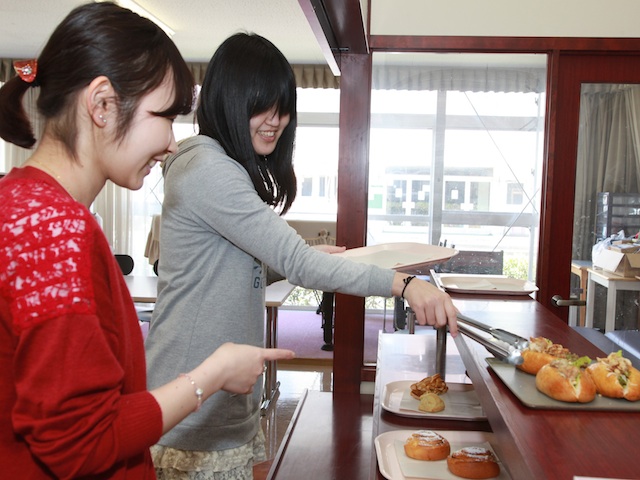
104	120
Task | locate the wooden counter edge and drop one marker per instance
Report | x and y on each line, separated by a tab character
509	452
287	436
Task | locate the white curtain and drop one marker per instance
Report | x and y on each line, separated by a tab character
608	154
112	204
424	77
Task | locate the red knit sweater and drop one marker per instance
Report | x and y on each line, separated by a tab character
73	398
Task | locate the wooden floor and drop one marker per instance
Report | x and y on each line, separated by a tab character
294	380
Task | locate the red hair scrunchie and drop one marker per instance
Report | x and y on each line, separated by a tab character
26	69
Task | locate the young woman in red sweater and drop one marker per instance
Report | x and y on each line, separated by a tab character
73	396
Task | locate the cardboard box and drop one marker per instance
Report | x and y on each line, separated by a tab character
623	264
625	248
626	241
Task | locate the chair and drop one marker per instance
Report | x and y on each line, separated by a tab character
144	315
126	263
326	304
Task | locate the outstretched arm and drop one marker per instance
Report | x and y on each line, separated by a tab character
232	367
431	305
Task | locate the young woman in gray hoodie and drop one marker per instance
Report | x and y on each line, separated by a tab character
225	192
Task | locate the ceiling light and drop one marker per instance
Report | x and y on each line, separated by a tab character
134	7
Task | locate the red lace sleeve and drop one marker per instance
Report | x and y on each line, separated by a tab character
44	269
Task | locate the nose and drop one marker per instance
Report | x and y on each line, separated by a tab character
273	118
173	145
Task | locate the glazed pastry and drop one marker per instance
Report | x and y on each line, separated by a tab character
427	445
473	462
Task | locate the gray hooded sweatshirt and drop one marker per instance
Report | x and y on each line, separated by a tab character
217	238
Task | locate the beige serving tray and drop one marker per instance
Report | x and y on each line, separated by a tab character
461	402
483	284
401	256
523	386
395	465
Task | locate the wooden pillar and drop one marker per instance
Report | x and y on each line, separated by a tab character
353	178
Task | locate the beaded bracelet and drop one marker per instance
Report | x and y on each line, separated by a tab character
406	283
199	391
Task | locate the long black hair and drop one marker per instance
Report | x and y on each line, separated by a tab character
96	39
248	76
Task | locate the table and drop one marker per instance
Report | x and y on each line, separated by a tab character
580	268
340	428
536	443
275	295
143	289
613	283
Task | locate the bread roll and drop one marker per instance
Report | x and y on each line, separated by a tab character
427	445
615	377
564	381
430	402
473	462
542	351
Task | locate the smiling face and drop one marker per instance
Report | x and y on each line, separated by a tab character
149	139
265	130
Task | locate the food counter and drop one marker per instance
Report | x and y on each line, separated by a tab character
548	443
333	436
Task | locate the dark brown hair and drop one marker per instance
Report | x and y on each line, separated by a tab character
96	39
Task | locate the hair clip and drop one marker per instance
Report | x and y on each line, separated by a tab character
26	69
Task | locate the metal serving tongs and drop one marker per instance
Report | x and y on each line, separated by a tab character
504	345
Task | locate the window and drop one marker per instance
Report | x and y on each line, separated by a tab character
456	151
307	187
315	157
454	196
515	194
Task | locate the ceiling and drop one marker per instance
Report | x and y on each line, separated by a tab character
200	25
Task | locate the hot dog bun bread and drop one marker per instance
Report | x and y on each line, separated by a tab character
473	462
427	445
433	384
542	351
566	381
615	377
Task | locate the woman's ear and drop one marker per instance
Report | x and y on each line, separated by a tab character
99	101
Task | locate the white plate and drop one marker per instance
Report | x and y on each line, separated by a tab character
402	256
483	284
461	402
395	465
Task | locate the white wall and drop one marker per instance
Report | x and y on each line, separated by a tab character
533	18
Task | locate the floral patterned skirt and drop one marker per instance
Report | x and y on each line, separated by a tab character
232	464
